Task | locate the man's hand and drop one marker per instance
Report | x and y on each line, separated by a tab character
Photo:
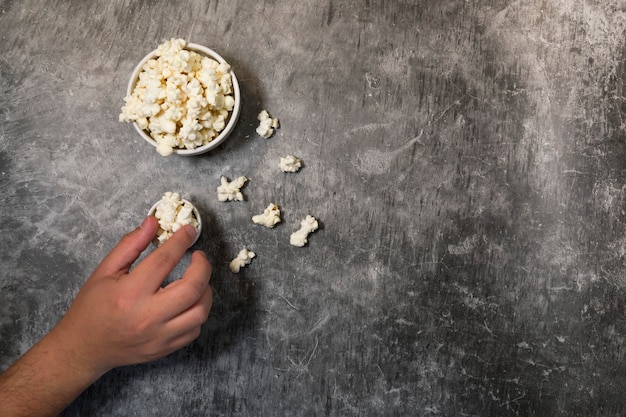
119	317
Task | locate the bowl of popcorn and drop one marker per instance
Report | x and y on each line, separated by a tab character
182	98
172	213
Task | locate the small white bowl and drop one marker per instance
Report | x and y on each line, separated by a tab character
232	118
196	213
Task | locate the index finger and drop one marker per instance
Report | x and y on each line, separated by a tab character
155	267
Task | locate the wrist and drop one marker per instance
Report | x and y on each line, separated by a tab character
45	380
69	349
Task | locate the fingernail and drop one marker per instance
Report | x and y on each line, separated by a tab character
191	231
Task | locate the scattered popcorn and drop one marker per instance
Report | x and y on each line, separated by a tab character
267	125
243	258
229	191
172	214
269	218
290	164
181	99
307	226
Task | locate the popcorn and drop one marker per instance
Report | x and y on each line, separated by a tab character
269	218
307	226
290	164
164	149
176	94
243	258
172	213
267	125
229	191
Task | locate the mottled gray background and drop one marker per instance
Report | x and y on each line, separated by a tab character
465	159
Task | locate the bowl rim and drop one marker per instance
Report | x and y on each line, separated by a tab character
232	120
196	213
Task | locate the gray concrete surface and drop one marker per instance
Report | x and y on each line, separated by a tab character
465	159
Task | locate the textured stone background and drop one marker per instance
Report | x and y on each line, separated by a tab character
465	158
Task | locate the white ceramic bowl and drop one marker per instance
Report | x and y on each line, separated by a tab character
196	213
232	119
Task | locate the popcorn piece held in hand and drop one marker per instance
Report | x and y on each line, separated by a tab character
173	213
269	218
267	125
290	164
243	258
307	226
229	191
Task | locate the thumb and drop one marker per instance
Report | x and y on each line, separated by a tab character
129	248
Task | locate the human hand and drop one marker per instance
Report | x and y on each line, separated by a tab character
119	317
123	316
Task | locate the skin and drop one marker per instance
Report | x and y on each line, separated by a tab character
119	317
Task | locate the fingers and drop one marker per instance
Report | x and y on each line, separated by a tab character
129	248
192	318
156	266
185	292
186	326
183	339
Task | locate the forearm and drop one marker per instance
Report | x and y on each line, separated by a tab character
44	381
